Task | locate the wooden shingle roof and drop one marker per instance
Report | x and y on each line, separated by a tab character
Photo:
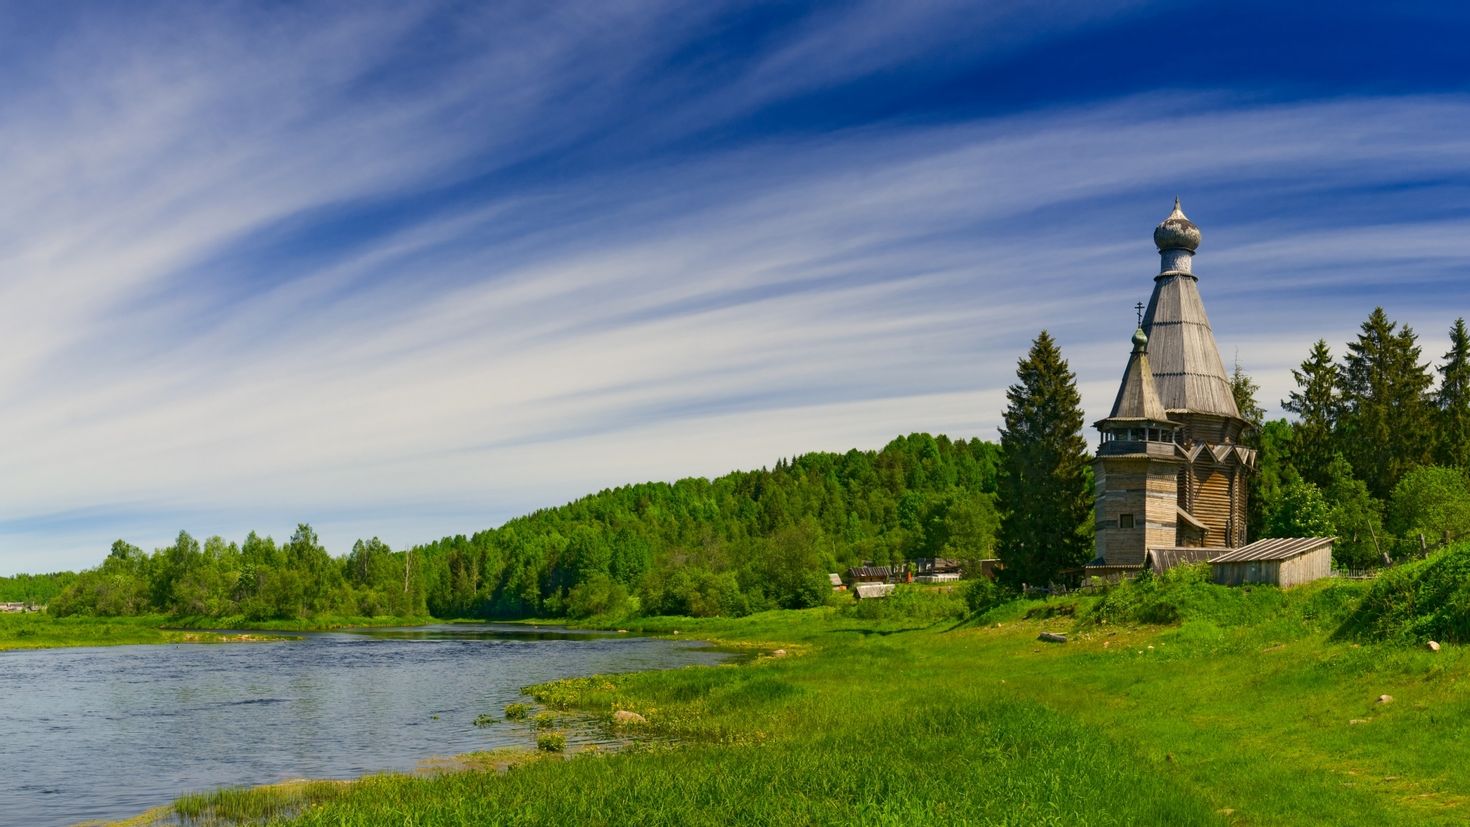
1138	397
1182	351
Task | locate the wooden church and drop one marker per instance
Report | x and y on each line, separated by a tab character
1170	470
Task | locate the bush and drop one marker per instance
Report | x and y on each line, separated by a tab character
983	594
1425	600
517	712
1431	501
1184	593
912	602
551	742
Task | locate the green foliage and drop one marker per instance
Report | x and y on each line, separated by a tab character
930	604
1045	499
747	541
1431	501
1357	519
484	719
1183	593
551	741
1300	511
1386	407
1274	471
517	712
1424	600
1453	401
983	594
1243	388
1317	402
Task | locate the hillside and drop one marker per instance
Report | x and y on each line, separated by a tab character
746	541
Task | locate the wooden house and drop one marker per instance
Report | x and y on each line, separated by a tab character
937	570
1170	470
872	574
1279	561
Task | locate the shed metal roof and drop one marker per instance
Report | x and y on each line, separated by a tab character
1275	548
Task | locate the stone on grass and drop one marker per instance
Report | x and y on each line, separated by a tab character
1052	637
1357	721
779	653
1385	699
1434	646
624	717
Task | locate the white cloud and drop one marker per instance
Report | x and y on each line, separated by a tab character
170	360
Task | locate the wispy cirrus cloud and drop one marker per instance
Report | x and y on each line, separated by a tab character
408	271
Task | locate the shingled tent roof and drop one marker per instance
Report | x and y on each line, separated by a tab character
1185	359
1138	398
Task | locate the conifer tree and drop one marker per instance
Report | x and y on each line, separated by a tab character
1044	496
1454	401
1388	414
1318	402
1244	389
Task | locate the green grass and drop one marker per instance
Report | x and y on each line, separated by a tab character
1243	709
40	631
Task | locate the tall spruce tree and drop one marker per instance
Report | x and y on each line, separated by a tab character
1388	415
1244	389
1454	401
1317	402
1044	495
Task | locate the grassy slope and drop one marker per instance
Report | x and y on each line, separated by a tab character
1228	718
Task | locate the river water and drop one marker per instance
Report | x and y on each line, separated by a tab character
107	732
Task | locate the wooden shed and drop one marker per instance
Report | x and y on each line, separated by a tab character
1279	561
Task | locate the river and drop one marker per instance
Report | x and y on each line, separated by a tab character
108	732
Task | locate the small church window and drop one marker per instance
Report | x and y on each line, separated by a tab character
1125	521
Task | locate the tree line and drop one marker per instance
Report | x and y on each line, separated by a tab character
1376	455
743	542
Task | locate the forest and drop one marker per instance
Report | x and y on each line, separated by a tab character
743	542
1376	454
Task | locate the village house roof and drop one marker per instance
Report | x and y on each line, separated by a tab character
1274	548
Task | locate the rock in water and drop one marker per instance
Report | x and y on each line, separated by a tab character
1052	637
1433	646
624	717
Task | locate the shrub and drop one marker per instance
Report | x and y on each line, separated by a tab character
912	602
983	594
551	742
517	712
1425	600
1431	501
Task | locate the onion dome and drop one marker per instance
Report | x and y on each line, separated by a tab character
1140	341
1177	232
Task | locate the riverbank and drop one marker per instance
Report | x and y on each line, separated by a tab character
1245	710
42	631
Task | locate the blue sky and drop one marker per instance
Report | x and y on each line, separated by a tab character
406	270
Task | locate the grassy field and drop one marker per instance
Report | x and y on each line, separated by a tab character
41	631
1243	708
